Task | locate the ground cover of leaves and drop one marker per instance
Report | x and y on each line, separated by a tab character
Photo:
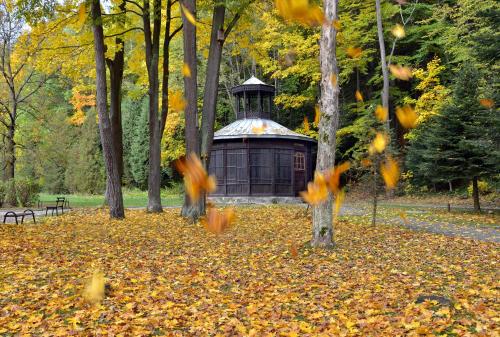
165	276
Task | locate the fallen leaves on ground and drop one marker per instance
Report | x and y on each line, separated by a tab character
168	277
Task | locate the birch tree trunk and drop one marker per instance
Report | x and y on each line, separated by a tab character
322	235
189	209
115	197
383	62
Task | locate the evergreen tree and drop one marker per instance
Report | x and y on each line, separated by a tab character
461	143
136	144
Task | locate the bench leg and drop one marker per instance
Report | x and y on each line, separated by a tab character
4	218
46	210
33	214
22	219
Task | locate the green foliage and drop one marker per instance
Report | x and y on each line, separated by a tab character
460	142
85	170
27	191
2	192
10	193
136	143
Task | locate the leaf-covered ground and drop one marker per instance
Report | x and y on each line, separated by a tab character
167	277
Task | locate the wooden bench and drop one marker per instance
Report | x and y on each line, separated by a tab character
15	215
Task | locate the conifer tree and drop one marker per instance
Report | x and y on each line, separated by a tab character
461	142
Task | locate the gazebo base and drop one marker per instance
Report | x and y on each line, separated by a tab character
255	200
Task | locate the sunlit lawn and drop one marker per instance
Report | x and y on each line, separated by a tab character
165	276
130	199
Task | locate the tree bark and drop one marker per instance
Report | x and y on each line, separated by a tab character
322	235
10	151
115	197
152	42
190	209
475	194
383	62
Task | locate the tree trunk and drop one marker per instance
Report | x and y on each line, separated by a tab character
10	153
383	62
189	209
375	193
475	194
211	86
152	60
329	104
115	197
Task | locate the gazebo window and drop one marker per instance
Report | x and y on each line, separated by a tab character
260	166
217	165
299	162
253	103
283	174
266	103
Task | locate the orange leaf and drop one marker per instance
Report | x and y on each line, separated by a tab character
333	176
259	129
407	116
307	128
390	172
354	52
317	115
317	191
336	24
217	222
293	250
487	103
177	101
358	96
400	72
381	113
196	179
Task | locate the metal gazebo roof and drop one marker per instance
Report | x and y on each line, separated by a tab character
257	128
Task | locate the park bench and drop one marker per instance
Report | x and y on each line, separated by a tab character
15	215
60	203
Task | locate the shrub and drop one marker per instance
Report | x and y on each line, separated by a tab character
2	192
27	191
483	186
10	193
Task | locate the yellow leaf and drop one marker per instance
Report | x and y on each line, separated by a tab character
401	72
390	172
94	291
189	16
317	115
379	142
407	116
186	71
305	327
339	199
82	15
381	113
358	96
354	52
336	24
398	31
307	128
259	129
196	179
177	101
317	191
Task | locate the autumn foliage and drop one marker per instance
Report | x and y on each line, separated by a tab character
157	274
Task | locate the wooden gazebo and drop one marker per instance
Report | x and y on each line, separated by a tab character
255	156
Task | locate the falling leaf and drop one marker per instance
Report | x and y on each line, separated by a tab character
217	222
403	216
358	96
333	79
381	113
379	142
307	128
390	172
94	290
487	103
400	72
317	115
339	200
294	252
196	179
82	14
290	57
365	162
177	101
398	31
407	116
337	25
317	191
186	71
333	176
354	52
300	11
189	16
259	128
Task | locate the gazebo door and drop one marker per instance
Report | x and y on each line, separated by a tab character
299	171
